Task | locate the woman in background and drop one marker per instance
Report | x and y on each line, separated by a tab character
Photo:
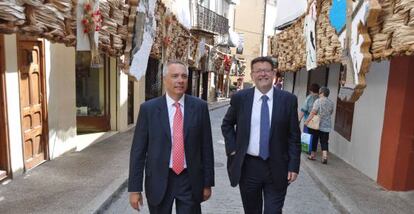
305	111
324	107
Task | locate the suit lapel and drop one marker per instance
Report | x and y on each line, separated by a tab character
164	120
188	114
248	105
275	110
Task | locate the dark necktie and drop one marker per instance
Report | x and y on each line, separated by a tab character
264	129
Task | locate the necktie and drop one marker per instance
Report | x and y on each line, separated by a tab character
178	141
264	129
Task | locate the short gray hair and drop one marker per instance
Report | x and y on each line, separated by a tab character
170	62
325	91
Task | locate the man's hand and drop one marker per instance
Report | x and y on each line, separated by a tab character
206	193
136	201
292	177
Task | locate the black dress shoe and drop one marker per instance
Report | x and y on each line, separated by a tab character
324	161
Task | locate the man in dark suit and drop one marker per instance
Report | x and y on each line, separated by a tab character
173	142
262	137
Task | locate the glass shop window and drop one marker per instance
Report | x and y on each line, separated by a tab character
90	85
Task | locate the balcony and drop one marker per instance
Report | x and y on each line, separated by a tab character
210	21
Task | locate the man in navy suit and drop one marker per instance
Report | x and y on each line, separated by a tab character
262	139
173	142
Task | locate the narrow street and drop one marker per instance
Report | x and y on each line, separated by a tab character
303	196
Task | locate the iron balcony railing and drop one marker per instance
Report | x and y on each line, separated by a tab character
210	21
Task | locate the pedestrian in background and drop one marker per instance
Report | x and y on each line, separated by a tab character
173	142
262	140
324	107
279	81
305	111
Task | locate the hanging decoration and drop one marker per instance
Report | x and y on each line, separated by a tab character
227	63
337	15
144	38
310	36
91	22
356	44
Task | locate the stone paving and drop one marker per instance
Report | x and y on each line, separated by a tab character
303	196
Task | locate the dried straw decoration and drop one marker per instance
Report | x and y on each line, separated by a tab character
113	35
55	20
172	40
11	17
289	45
393	34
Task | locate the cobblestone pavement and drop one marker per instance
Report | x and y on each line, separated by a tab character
303	196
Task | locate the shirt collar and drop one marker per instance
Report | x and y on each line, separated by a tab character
170	101
258	95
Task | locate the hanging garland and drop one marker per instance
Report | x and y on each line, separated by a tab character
92	22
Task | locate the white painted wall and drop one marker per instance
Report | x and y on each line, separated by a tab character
364	149
301	86
288	81
271	13
113	93
288	10
139	93
61	97
13	103
123	102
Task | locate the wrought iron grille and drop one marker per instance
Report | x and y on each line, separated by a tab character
210	21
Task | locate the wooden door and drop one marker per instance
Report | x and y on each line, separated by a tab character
32	105
4	150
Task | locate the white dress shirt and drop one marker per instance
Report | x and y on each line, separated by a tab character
254	141
171	113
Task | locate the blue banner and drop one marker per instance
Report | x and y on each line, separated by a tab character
337	15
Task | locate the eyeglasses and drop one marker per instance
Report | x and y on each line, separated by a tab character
263	70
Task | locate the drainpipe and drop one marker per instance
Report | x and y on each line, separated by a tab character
264	27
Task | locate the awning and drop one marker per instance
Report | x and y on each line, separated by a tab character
288	12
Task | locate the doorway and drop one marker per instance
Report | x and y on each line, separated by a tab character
32	81
153	79
130	101
319	76
204	93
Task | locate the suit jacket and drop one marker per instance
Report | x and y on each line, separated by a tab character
151	148
284	139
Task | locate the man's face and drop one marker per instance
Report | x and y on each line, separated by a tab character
263	75
176	80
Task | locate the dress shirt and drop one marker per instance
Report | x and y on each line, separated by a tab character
254	141
171	113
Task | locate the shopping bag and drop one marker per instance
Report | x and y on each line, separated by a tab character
314	122
306	142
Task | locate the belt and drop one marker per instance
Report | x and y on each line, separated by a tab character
255	157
